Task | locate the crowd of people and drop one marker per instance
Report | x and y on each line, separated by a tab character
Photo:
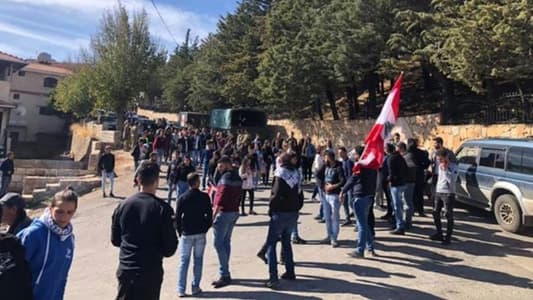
214	174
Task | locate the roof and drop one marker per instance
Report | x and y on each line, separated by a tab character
503	142
46	69
6	104
11	58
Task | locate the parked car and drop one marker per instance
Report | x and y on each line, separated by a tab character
497	175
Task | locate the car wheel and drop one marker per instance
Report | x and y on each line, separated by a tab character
508	213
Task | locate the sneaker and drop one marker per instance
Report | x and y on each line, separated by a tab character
334	244
272	284
398	232
222	282
436	237
111	195
288	276
243	214
196	291
356	255
371	253
322	221
385	217
446	242
182	295
317	218
104	195
252	213
347	223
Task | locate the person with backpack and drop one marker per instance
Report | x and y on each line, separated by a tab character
49	244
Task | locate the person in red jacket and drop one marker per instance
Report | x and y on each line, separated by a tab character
225	215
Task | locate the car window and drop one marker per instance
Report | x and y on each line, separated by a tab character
492	158
468	155
527	161
514	160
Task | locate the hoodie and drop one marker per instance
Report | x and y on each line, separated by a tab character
49	252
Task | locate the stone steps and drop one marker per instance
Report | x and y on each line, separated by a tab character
81	185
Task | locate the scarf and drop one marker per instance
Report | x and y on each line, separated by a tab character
63	233
291	177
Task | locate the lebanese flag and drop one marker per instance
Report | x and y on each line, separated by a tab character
374	152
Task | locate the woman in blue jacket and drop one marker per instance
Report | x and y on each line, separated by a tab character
49	244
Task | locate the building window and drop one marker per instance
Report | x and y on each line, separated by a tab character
16	96
22	73
50	82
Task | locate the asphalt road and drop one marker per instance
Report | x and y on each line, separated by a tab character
482	263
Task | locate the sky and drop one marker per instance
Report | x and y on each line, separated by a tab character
63	27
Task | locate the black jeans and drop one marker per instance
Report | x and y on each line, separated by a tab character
445	201
419	197
388	197
307	166
266	175
243	198
139	285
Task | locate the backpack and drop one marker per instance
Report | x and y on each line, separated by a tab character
15	274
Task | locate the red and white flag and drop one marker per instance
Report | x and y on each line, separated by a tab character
374	152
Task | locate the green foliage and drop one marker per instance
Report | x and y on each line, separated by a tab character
74	94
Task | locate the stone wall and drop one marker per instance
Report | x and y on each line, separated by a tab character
351	133
85	133
153	115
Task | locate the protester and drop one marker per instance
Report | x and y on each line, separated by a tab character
308	156
422	164
143	228
285	203
172	174
225	215
106	167
49	244
347	166
13	214
159	146
207	155
183	170
319	169
445	195
397	170
410	182
268	158
194	217
334	180
7	166
137	153
385	185
438	144
248	186
362	187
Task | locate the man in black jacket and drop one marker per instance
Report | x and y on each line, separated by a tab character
7	167
422	163
13	214
106	166
362	187
143	228
397	180
194	217
285	203
334	180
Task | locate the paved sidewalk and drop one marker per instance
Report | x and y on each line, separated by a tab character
482	263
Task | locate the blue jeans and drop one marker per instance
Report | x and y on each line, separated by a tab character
332	215
294	233
361	207
281	225
222	230
105	175
196	244
171	188
409	201
181	188
6	180
322	198
397	193
195	157
160	155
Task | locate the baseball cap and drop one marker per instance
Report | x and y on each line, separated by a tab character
13	199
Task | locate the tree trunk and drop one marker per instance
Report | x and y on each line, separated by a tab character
332	104
372	82
427	78
318	107
447	103
351	96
